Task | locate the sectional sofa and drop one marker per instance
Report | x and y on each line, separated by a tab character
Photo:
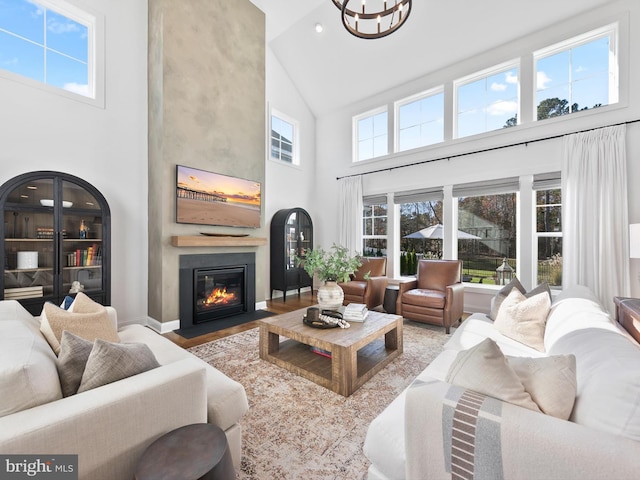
108	427
421	433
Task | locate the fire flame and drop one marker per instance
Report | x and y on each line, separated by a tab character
220	296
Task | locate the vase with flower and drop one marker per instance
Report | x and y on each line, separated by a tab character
330	267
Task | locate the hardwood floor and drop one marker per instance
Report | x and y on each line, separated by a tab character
277	305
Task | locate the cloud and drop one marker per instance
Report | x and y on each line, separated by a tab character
61	27
542	80
581	69
11	61
511	77
503	108
498	87
81	89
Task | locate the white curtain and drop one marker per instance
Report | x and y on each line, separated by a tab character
595	213
350	213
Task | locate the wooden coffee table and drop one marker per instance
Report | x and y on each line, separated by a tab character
357	353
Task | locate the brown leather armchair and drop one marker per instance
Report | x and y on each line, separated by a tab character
436	296
371	291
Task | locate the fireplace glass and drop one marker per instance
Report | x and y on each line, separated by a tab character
219	293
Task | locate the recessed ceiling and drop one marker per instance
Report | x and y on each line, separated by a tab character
333	69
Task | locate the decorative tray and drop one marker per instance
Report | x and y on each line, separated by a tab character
207	234
317	323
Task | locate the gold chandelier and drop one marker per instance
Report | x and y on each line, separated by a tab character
375	19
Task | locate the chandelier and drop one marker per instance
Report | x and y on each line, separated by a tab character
375	19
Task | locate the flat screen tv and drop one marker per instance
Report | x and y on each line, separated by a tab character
207	198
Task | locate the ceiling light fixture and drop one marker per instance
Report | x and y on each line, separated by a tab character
377	19
319	28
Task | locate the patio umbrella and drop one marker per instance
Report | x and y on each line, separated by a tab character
436	232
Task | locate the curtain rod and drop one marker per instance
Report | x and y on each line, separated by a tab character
449	157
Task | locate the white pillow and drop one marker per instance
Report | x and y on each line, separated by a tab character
28	374
551	382
484	369
523	319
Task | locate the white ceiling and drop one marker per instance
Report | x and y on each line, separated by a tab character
334	68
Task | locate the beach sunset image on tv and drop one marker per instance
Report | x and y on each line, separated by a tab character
208	198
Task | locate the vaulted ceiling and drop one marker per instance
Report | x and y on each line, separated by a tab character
333	69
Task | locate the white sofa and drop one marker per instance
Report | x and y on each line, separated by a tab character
108	427
600	440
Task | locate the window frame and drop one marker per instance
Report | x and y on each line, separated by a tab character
480	75
611	30
554	183
432	92
356	133
95	24
295	147
373	202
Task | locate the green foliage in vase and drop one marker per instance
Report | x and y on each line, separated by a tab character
335	265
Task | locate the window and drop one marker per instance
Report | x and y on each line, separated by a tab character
374	227
420	121
284	134
578	74
487	100
371	134
549	229
419	210
49	42
486	228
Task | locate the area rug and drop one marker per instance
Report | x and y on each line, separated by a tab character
296	429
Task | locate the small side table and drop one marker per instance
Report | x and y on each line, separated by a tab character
628	315
192	452
390	298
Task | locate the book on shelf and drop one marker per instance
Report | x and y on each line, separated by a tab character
90	256
355	312
321	351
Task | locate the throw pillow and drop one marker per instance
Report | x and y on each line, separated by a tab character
74	353
497	300
88	320
484	369
551	382
523	319
110	362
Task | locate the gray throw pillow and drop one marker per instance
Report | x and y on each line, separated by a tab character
74	353
110	362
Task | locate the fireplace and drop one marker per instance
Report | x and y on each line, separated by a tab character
218	292
216	287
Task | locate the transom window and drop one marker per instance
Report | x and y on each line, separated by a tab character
487	101
578	74
284	138
372	136
51	42
420	120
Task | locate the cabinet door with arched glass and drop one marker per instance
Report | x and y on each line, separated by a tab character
56	239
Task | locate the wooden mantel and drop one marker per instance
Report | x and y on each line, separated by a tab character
204	241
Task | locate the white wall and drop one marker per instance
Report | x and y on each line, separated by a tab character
334	130
106	147
289	186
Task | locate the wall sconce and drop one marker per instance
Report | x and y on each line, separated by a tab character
634	240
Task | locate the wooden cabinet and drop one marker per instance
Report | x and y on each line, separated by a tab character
291	236
56	231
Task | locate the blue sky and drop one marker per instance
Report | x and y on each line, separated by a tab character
26	46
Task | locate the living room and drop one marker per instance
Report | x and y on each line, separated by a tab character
115	146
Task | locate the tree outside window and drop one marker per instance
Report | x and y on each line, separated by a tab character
415	216
492	218
549	233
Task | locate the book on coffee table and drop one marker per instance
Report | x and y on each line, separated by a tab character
355	312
